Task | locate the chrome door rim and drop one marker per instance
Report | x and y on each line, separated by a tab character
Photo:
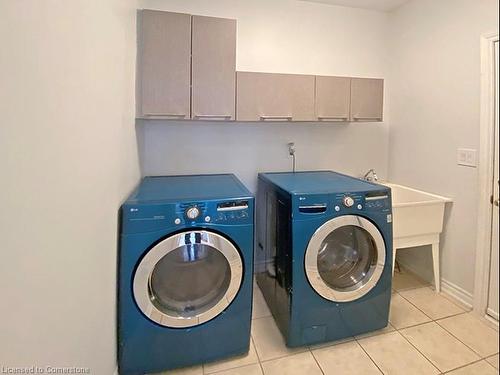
312	251
141	284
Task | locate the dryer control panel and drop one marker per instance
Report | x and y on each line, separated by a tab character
233	211
225	212
147	218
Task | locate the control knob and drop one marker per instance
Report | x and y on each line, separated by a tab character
192	213
348	201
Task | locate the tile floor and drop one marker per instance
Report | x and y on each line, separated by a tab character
428	334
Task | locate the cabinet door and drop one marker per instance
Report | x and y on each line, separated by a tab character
367	99
274	97
213	68
333	98
164	64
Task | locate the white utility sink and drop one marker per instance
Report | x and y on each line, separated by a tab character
417	218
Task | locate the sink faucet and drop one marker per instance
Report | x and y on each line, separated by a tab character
371	176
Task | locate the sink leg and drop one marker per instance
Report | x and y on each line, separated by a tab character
435	261
393	260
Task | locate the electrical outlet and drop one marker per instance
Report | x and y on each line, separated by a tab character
466	157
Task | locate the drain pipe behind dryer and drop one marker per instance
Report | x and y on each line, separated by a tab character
291	152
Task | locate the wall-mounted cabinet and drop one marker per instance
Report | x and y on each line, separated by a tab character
187	70
367	99
274	97
213	68
164	64
186	66
333	98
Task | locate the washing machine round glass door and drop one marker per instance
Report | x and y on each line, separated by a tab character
188	279
345	258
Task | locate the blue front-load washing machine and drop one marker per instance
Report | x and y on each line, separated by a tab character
185	272
324	254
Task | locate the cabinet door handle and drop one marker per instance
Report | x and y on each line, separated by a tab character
332	118
224	117
163	115
357	118
274	118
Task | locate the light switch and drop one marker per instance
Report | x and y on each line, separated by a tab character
466	157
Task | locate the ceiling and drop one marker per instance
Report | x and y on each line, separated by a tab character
379	5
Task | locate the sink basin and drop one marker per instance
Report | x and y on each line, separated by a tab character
415	213
417	219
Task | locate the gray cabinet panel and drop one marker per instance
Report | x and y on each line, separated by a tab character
274	97
333	98
164	66
213	68
367	99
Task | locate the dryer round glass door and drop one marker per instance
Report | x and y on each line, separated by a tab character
345	258
188	279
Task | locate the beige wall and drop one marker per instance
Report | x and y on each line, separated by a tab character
67	159
284	36
435	84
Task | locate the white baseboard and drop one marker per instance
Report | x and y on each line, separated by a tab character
116	371
457	293
492	313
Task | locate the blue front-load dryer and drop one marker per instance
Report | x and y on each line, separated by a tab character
324	254
185	272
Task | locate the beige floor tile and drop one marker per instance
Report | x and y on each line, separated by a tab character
405	280
439	346
493	360
394	355
330	343
245	370
260	308
387	329
247	359
196	370
268	340
297	364
431	303
345	359
403	314
473	333
478	368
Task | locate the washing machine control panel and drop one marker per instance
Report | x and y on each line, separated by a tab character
348	201
342	203
193	212
378	201
373	201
